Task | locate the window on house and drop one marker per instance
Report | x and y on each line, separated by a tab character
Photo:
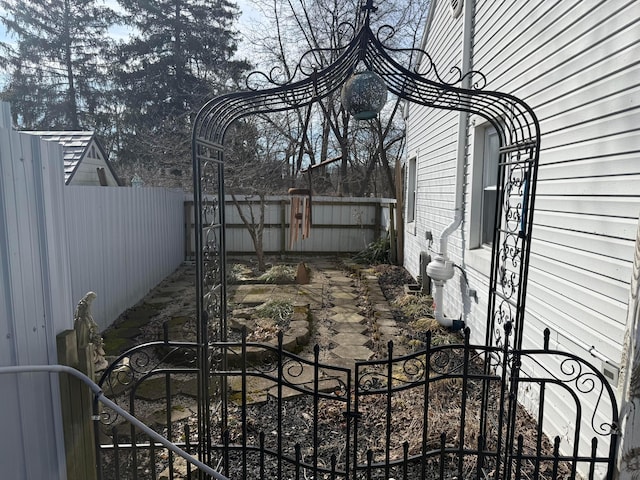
490	158
102	177
484	178
411	190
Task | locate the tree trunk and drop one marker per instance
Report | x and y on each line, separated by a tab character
629	382
255	227
72	104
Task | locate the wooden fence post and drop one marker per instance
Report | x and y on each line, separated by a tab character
77	408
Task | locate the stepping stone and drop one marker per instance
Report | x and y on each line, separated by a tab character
341	281
345	309
385	322
352	352
177	413
389	331
348	318
345	296
381	307
351	339
333	291
342	327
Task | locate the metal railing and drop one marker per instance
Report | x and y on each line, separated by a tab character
100	398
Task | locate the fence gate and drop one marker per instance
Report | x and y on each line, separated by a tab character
300	419
445	411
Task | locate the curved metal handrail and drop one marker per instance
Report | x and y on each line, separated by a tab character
99	397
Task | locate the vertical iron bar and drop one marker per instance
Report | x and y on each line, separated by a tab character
134	441
519	458
480	459
347	450
556	453
316	400
243	407
225	451
279	400
152	458
613	444
387	453
443	439
202	318
512	410
502	400
425	410
261	439
369	462
222	252
356	418
463	402
187	447
405	463
167	389
116	453
594	453
539	433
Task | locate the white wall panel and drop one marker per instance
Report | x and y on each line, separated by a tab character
124	241
35	303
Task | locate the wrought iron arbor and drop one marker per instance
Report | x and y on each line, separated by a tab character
492	370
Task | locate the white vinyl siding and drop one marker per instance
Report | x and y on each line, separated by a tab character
576	64
432	140
86	172
573	63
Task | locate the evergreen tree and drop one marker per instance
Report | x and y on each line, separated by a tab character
56	68
180	55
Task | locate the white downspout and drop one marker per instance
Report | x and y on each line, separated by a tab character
467	39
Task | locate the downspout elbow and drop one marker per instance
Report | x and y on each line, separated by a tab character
452	324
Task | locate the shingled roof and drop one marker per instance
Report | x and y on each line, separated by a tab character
74	145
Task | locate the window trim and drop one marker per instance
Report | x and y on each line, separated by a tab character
478	255
412	188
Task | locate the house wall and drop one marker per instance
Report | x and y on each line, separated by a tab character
122	243
575	63
431	139
86	173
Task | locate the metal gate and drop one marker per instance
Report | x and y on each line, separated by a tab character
445	411
294	417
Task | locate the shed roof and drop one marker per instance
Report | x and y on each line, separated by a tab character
74	144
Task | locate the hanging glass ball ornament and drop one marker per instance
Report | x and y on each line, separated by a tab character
363	95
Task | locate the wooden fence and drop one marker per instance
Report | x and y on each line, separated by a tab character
339	225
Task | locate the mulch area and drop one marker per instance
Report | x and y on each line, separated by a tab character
303	427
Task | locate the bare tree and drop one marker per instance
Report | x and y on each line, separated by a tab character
317	28
255	163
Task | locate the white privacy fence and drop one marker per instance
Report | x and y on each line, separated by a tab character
57	243
339	225
122	243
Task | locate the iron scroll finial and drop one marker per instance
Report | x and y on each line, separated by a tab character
369	6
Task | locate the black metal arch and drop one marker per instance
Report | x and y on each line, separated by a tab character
514	120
